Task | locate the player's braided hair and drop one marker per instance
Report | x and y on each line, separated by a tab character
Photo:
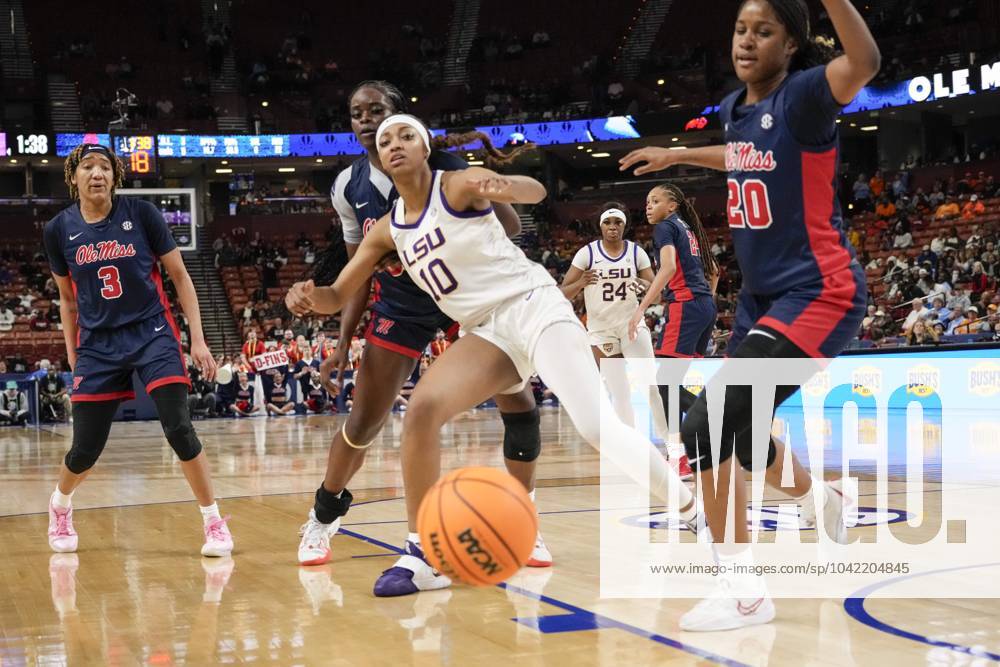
73	161
690	216
397	101
813	50
494	156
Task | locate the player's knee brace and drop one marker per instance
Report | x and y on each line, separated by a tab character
522	438
171	404
91	425
329	507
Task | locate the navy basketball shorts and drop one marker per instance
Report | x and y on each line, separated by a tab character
688	328
409	337
106	359
820	318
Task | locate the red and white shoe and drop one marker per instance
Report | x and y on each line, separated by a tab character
683	468
723	610
218	539
540	555
314	547
62	537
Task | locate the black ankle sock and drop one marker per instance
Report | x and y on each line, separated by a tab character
329	507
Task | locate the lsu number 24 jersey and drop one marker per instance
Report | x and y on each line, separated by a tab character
782	157
463	259
112	263
610	302
362	195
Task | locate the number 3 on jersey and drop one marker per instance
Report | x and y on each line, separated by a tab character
749	205
112	288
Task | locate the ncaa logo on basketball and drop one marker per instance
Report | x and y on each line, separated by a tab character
480	556
818	385
923	380
127	225
984	379
767	121
866	381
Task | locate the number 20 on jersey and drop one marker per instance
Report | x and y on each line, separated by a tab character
749	205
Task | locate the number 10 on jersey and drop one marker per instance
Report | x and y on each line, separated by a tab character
437	275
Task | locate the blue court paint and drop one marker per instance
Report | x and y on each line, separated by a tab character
855	608
576	619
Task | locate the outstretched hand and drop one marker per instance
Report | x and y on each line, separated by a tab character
654	157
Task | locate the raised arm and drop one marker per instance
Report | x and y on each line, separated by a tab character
656	158
847	74
476	188
305	297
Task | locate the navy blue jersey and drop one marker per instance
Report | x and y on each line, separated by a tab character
112	262
782	157
362	196
689	279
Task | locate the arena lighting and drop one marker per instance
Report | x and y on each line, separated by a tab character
44	161
224	162
264	103
475	163
660	82
413	99
319	160
224	171
869	128
600	155
678	148
286	170
675	139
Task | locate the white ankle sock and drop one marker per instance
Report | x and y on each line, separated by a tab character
414	537
210	512
62	500
806	502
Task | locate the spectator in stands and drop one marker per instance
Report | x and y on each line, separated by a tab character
921	334
973	208
902	238
877	184
37	321
862	193
953	240
918	312
244	406
13	406
54	399
979	281
303	241
885	210
924	281
948	210
899	185
6	318
975	239
252	347
3	367
277	331
956	318
26	299
972	323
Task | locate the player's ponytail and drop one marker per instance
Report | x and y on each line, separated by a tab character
690	216
73	161
813	50
494	156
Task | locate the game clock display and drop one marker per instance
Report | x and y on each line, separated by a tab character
137	153
27	144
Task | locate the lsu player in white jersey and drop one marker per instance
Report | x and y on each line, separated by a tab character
445	234
611	272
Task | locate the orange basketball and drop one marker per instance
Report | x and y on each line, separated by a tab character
477	525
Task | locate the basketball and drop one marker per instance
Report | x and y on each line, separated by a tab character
224	375
477	525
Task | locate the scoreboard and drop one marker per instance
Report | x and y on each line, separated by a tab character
138	154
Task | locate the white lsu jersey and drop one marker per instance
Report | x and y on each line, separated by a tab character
463	259
610	302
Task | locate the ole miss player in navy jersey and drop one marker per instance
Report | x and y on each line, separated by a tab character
404	321
803	290
103	251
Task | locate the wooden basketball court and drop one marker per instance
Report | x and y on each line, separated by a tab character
137	592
